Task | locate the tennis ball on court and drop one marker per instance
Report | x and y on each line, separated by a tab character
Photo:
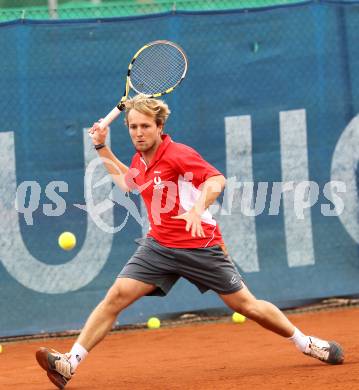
153	323
238	318
67	241
1	348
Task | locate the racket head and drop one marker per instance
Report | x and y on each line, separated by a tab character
157	68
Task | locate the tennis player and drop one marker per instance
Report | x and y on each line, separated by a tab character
177	186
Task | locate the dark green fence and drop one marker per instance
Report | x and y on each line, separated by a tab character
39	9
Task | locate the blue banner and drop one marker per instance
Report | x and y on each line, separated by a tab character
271	99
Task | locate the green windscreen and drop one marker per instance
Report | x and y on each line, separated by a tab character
39	9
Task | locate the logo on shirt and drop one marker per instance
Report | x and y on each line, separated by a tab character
158	183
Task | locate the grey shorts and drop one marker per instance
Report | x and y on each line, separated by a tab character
207	268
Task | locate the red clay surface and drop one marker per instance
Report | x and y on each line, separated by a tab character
214	356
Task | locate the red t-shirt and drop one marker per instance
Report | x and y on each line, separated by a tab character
169	187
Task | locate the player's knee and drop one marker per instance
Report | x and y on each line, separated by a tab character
117	299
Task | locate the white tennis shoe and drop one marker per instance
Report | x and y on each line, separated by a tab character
56	365
327	351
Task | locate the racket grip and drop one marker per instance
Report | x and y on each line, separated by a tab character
110	117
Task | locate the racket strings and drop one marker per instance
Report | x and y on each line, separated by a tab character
158	68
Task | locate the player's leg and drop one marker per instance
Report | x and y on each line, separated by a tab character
61	367
262	312
122	293
211	268
270	317
140	276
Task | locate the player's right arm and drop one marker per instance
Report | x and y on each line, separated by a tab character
114	166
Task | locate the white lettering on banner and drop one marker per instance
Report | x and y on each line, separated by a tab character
18	261
278	189
294	162
56	198
239	231
345	169
249	206
21	195
329	192
236	215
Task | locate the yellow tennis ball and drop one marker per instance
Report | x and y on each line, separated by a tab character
238	318
67	241
153	323
1	348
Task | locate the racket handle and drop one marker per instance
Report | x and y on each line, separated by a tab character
110	117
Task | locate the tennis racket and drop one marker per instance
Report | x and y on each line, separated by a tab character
155	70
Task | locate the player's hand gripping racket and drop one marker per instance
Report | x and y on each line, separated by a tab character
155	70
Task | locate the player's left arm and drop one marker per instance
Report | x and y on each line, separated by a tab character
210	191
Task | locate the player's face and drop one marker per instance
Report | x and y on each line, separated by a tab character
144	132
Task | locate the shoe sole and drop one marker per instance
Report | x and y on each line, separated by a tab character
54	376
336	353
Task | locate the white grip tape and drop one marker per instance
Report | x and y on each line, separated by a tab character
110	117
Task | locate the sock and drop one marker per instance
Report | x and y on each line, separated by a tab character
78	355
299	339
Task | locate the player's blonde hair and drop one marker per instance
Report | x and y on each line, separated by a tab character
155	108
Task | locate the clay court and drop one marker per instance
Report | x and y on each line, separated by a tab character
218	355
